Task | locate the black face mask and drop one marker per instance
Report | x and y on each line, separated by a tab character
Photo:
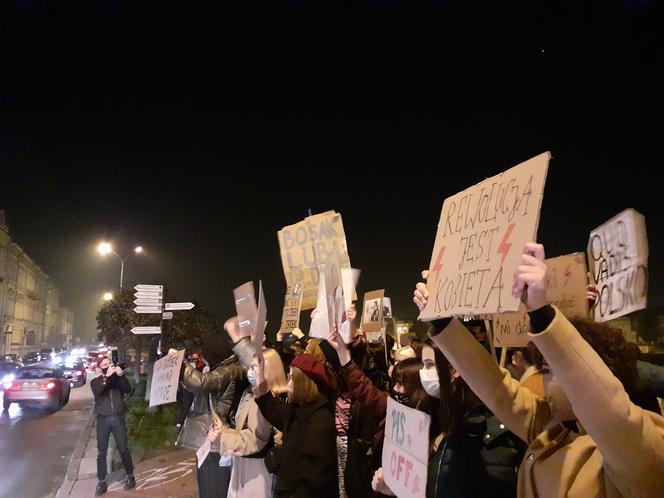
103	370
401	398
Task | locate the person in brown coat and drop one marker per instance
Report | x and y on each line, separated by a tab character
586	439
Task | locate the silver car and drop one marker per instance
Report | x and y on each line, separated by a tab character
37	386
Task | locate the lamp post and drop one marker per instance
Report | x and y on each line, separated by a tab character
105	248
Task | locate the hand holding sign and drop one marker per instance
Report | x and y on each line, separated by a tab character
530	275
337	343
378	483
232	328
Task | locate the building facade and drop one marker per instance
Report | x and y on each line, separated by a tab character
30	313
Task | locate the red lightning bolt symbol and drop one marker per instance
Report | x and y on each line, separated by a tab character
567	274
505	246
438	264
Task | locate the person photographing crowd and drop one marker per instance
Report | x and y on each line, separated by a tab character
109	389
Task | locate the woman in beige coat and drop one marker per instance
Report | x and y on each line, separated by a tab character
252	436
586	439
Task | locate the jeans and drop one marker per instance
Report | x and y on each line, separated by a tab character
213	480
107	424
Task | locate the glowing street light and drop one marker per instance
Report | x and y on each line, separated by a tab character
108	296
105	248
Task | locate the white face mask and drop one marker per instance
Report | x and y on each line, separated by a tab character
251	377
430	381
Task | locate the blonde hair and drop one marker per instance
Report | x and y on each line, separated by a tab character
275	376
305	390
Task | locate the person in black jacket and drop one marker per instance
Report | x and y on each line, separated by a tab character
308	457
109	389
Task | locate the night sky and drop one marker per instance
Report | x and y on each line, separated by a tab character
200	133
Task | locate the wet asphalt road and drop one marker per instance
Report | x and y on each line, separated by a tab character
35	446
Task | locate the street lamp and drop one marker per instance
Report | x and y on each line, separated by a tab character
108	296
105	248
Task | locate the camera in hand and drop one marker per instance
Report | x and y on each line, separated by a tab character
122	365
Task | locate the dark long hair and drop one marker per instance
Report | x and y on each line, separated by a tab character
456	398
407	373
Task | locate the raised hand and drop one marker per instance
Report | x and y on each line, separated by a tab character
530	277
232	328
337	343
421	293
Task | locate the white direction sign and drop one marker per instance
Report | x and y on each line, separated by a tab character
149	288
148	295
178	306
147	302
147	309
167	316
146	330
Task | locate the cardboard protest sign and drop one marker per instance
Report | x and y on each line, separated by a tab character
618	261
510	330
481	233
372	315
165	379
307	244
261	321
566	283
290	316
245	307
406	450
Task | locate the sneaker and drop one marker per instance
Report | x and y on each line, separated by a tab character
130	482
101	488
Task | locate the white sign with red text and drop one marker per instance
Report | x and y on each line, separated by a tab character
406	450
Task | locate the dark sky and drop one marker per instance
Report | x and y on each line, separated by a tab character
199	133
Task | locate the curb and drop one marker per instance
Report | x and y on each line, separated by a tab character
75	460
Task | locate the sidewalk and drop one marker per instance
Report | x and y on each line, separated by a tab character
170	475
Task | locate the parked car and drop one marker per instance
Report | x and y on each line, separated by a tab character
37	386
75	372
8	370
47	353
32	357
11	357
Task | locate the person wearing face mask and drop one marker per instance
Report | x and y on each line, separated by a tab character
586	438
109	389
372	402
252	437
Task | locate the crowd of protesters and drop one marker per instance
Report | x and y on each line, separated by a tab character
574	414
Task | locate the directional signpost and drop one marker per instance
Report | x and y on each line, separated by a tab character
146	330
150	300
178	306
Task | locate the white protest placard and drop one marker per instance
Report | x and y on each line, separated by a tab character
245	307
290	316
203	451
310	243
320	325
349	277
481	233
566	284
510	330
165	379
406	450
618	261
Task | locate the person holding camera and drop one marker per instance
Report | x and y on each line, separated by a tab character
109	389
